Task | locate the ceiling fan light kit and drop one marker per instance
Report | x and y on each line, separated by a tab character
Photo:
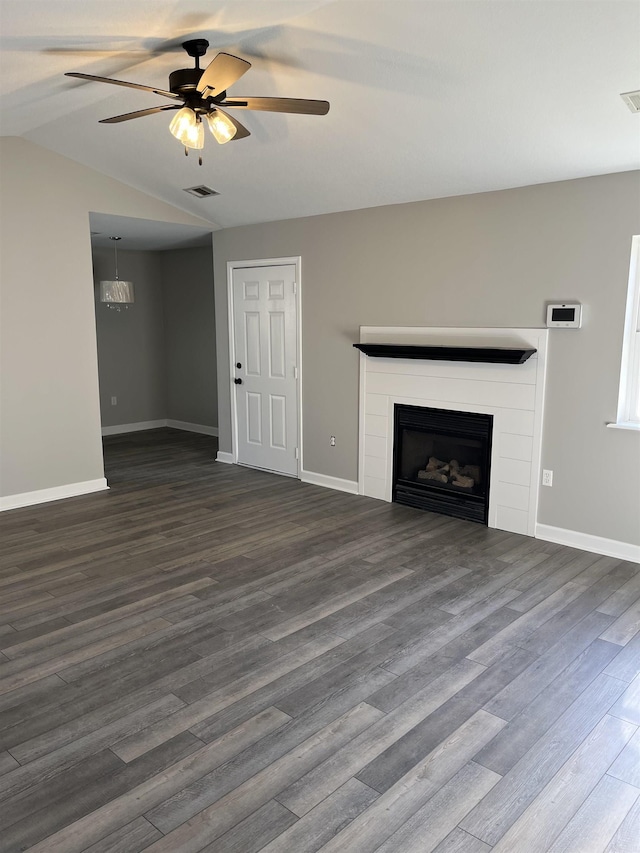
187	128
202	94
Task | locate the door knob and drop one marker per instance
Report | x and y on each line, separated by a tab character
238	381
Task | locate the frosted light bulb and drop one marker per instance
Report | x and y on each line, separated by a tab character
221	126
186	127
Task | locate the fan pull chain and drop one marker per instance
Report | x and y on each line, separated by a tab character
186	154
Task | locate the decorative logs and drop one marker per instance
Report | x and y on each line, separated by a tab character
451	473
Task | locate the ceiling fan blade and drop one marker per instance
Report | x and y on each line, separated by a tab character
162	92
279	105
139	114
220	73
241	130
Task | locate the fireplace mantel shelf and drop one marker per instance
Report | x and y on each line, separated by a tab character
486	355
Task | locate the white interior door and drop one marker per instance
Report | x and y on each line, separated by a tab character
265	367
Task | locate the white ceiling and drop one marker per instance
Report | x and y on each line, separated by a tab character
144	234
429	98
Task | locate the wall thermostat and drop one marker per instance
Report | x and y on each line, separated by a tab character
564	315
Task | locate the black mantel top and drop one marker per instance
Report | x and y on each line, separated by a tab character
489	355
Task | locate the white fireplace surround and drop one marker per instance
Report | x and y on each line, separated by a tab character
512	393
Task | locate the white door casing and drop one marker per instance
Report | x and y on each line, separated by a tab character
264	341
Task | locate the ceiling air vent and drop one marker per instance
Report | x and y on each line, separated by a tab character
632	100
201	191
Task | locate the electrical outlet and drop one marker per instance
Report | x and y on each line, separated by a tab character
332	441
114	401
547	478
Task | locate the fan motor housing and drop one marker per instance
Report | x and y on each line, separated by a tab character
184	80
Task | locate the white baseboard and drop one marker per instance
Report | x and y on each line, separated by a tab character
139	426
587	542
223	456
350	486
189	427
56	493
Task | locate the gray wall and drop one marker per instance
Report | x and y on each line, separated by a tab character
187	281
491	259
132	362
49	405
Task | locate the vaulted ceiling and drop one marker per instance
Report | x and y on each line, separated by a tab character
429	98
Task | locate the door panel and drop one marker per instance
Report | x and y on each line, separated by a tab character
278	422
264	318
252	338
254	418
277	349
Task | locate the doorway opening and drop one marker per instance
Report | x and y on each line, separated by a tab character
156	356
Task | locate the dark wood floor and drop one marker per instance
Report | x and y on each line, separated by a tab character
208	658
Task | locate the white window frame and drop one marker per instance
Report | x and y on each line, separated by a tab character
628	416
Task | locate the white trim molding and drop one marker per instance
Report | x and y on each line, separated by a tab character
625	425
223	456
588	542
628	414
185	426
337	483
140	426
57	493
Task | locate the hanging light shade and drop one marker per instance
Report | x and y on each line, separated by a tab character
116	293
221	126
187	128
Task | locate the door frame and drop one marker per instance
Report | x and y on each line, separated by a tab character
264	262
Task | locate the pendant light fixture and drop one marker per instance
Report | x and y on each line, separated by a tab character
116	293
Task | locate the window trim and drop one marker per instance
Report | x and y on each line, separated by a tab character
628	415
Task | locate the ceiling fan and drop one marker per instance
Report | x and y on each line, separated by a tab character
201	95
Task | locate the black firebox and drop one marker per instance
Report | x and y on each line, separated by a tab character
442	461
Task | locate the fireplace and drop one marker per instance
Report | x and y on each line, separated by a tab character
442	461
511	393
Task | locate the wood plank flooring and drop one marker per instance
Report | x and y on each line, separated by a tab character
210	659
